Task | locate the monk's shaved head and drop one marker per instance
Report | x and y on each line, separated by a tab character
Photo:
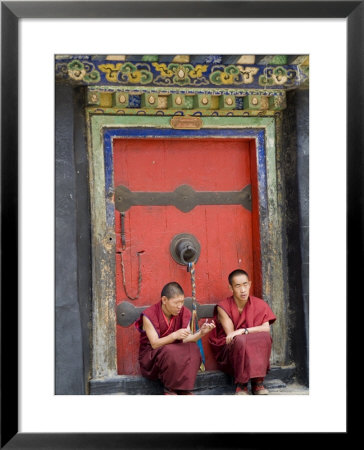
235	273
172	290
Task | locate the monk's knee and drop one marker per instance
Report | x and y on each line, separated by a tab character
195	355
263	336
194	348
240	340
170	351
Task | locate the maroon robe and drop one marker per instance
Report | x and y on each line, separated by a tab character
176	364
247	356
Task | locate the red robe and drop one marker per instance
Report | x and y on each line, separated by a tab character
176	364
247	356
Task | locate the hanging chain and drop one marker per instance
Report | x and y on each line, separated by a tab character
123	247
139	276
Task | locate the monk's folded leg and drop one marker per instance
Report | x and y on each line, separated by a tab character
178	365
249	356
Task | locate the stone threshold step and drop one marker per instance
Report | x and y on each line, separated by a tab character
214	379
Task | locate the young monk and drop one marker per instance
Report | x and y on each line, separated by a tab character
168	350
241	342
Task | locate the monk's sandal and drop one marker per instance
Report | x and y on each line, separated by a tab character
241	389
169	392
259	389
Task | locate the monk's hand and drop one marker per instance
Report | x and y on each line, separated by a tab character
231	336
207	327
181	334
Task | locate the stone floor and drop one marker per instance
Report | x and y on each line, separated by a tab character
274	386
290	389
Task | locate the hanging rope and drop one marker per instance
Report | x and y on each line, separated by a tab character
194	319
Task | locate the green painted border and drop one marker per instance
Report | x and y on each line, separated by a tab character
103	239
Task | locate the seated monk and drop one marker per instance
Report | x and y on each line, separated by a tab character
241	342
168	350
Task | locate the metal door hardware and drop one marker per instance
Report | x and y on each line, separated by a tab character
185	198
185	249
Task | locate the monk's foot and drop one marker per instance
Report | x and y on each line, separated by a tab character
260	390
242	389
185	393
258	387
169	391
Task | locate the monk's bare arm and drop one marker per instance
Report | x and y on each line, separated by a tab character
263	327
227	325
156	341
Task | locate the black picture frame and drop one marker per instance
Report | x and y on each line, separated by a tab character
11	12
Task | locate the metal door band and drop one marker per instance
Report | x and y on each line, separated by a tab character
184	197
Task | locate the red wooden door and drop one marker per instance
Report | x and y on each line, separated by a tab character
228	234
